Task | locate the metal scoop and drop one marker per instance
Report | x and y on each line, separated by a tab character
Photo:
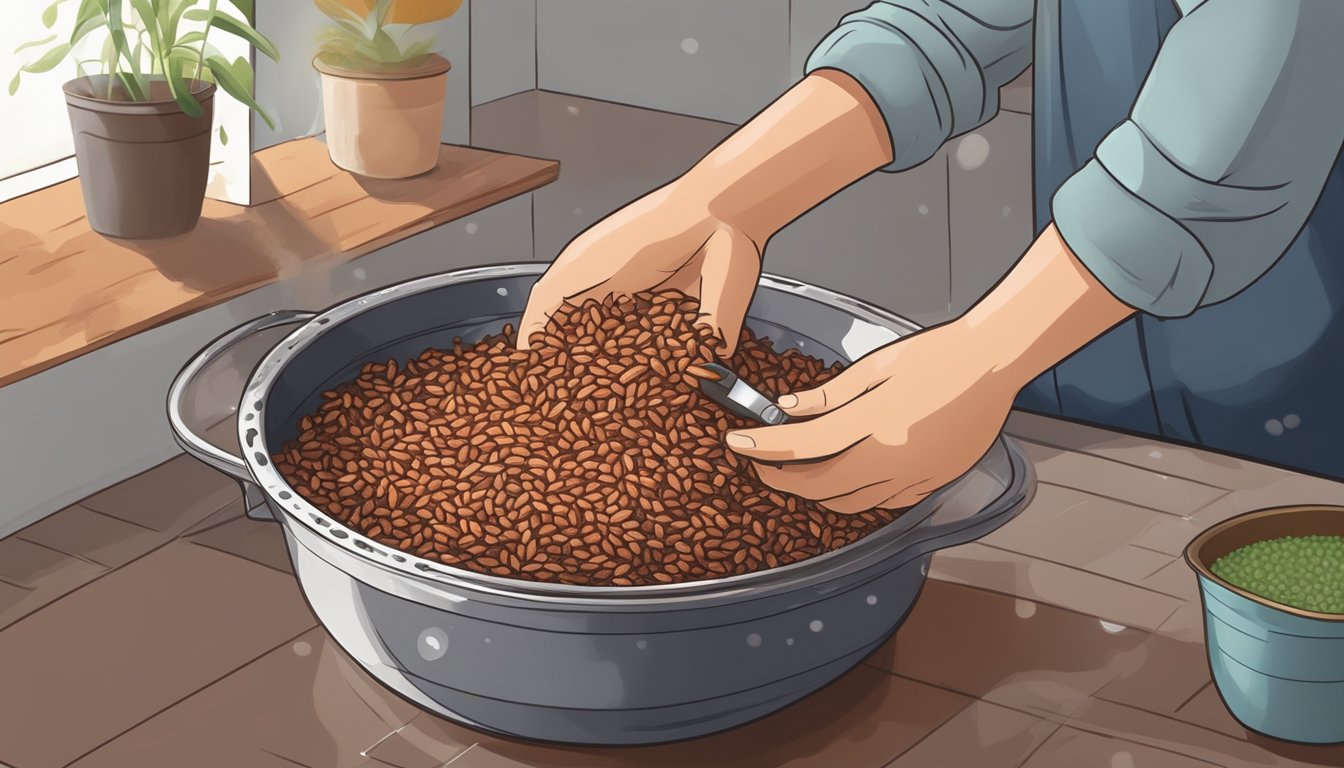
725	388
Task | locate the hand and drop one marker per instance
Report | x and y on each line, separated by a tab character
889	430
665	240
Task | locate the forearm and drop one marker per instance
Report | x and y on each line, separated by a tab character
819	137
1047	308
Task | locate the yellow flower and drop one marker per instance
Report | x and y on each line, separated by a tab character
408	11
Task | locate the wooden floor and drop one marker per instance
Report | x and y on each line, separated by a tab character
152	625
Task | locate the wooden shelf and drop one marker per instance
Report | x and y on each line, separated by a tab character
66	290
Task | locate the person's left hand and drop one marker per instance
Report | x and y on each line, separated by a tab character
900	423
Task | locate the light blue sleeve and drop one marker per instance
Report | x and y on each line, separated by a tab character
932	67
1223	157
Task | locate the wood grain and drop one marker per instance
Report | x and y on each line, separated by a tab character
66	290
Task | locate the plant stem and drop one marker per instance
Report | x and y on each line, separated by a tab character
205	37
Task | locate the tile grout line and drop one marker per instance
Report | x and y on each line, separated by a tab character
1082	570
1084	452
210	684
1131	502
242	557
1192	696
49	548
1079	726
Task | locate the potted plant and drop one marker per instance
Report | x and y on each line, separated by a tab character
382	87
142	123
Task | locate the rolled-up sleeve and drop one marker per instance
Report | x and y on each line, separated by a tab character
1222	159
932	67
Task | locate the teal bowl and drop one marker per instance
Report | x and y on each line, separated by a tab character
1278	669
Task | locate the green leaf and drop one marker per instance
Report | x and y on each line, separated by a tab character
174	17
116	39
386	48
226	23
182	93
35	43
51	58
223	136
91	15
14	84
236	80
49	15
194	36
247	8
149	17
134	85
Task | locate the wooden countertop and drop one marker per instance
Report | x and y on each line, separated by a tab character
151	624
66	290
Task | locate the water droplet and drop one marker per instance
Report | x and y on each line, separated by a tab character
754	640
502	291
923	210
1113	628
248	416
302	648
1024	609
338	533
571	109
261	458
1122	760
472	228
871	599
1274	427
789	641
578	211
433	644
487	641
816	625
801	343
690	45
972	152
1292	421
641	644
1154	454
1006	212
358	273
284	495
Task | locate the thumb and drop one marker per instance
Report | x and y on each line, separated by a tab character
729	268
846	386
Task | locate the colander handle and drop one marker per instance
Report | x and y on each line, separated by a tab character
254	498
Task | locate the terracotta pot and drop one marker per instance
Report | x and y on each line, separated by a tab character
385	125
143	165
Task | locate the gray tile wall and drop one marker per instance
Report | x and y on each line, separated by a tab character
609	154
503	48
989	184
291	90
708	58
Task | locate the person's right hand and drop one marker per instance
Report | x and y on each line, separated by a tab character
665	240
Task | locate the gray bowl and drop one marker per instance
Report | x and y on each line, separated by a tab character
574	664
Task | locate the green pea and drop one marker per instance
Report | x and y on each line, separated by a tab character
1301	571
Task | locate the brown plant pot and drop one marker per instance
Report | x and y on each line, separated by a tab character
143	165
385	125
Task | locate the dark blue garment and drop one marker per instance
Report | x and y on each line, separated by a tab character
1260	375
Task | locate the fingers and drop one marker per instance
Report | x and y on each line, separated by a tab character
730	267
540	307
819	438
824	479
876	496
846	386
